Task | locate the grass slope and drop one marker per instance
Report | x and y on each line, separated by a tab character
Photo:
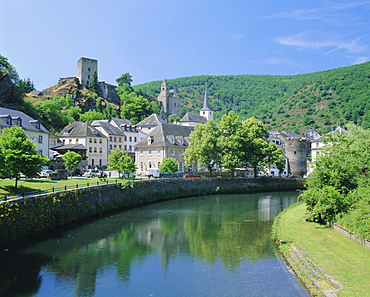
343	259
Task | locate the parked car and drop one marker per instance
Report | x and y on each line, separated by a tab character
77	172
152	172
128	175
95	173
293	176
45	173
191	175
167	175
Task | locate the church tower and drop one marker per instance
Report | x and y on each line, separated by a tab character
169	100
206	111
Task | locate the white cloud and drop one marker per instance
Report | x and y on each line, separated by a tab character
360	60
314	13
302	40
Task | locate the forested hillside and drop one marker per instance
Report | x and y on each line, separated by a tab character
317	100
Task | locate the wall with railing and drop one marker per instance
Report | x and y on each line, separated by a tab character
26	217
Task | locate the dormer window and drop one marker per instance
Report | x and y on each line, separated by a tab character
150	139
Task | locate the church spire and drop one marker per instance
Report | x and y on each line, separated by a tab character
206	111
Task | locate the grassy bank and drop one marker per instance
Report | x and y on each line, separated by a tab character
342	259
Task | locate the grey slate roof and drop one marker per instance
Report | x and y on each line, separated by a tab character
27	123
119	122
80	129
192	117
69	146
152	120
162	134
108	127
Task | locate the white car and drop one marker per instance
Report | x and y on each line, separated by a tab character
45	173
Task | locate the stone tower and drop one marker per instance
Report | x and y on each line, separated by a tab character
206	111
296	152
169	100
85	70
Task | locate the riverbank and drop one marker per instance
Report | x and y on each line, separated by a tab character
345	263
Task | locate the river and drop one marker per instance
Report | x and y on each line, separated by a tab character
217	245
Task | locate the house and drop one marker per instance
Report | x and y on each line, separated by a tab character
120	133
164	141
32	128
95	142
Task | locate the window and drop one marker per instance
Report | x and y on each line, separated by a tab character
158	152
40	152
110	147
130	149
172	152
95	140
95	150
125	147
119	139
90	140
135	139
149	152
119	146
110	138
141	152
90	149
100	140
115	146
181	152
88	69
180	166
115	139
125	138
159	164
100	150
88	77
141	166
40	138
149	164
130	139
70	140
76	140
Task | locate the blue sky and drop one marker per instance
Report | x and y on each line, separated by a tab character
164	39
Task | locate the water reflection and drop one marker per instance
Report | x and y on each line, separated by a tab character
212	236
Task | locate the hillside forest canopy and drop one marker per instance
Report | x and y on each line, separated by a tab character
292	103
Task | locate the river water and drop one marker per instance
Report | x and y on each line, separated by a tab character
216	245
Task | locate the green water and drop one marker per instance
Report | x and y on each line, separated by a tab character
203	246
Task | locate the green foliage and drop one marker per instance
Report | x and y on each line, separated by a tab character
120	161
340	180
19	155
94	83
203	148
71	160
135	107
169	165
337	96
124	79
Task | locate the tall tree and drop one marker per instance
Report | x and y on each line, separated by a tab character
170	165
135	107
20	154
124	79
120	161
229	141
203	148
93	85
71	160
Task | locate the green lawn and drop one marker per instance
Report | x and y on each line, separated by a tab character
30	185
343	259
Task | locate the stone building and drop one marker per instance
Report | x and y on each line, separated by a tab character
169	101
85	70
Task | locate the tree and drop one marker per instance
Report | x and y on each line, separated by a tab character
120	161
20	154
71	160
169	165
255	150
124	79
203	148
93	85
229	141
135	107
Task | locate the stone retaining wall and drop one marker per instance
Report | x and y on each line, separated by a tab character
351	235
22	218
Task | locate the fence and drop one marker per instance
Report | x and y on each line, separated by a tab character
6	197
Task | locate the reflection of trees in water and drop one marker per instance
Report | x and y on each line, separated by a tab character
214	227
20	274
